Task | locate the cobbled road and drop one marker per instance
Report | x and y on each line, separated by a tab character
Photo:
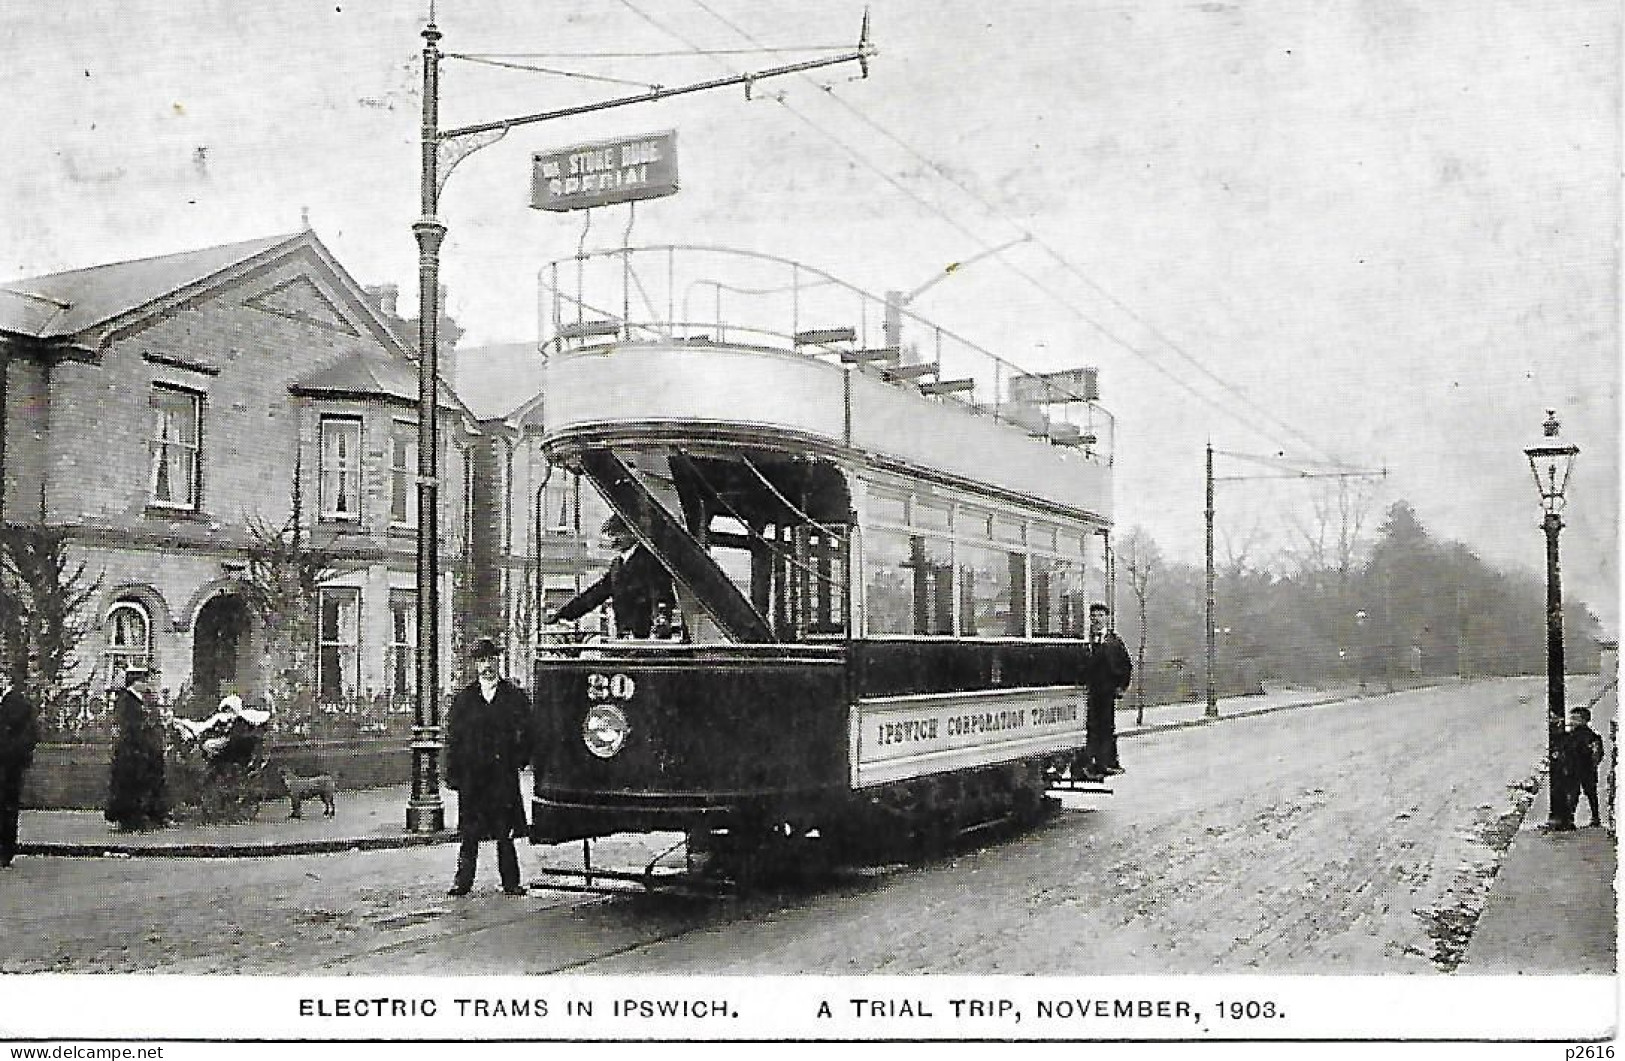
1357	837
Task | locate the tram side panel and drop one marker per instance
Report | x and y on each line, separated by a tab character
925	709
650	744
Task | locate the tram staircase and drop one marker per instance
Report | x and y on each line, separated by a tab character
646	495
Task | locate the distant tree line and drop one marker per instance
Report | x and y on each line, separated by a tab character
1341	609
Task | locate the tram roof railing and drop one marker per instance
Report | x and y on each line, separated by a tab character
653	294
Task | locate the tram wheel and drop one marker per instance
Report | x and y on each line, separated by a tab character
760	853
1032	803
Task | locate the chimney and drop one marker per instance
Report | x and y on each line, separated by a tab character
384	296
449	333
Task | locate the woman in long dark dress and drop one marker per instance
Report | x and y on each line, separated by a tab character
135	783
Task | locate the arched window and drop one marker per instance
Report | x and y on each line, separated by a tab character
129	637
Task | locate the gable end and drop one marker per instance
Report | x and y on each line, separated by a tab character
299	299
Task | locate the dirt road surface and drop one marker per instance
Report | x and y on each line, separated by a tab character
1358	837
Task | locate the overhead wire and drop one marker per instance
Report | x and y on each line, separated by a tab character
575	74
1065	263
968	233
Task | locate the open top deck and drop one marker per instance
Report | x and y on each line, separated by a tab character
699	345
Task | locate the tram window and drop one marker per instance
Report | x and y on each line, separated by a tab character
931	515
974	522
888	508
1006	529
1058	597
993	592
908	584
818	581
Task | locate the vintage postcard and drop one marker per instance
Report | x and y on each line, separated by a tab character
697	521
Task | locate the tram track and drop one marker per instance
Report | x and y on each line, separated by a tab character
592	929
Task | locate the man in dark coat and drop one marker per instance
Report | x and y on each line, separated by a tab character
488	741
634	585
135	784
19	732
1106	675
1581	752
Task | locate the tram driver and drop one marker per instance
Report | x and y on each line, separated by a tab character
636	586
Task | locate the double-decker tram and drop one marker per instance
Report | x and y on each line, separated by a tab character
880	553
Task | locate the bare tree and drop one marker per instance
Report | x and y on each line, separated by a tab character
1333	535
1333	545
1141	559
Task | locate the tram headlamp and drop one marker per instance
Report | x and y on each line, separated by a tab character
605	730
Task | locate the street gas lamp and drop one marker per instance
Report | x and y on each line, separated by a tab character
1551	461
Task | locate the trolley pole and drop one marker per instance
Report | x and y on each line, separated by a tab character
424	812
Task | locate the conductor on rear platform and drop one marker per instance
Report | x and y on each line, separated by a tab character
1106	674
487	744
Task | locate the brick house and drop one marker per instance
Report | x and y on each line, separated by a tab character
154	409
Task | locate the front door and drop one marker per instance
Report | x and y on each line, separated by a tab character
218	647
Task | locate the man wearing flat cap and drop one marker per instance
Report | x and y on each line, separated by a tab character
488	738
1106	675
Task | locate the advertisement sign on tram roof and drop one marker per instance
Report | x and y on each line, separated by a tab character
1071	385
604	172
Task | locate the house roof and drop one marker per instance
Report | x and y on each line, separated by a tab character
371	374
61	305
493	381
66	305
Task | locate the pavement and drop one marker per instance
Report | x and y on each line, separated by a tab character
1550	909
1553	907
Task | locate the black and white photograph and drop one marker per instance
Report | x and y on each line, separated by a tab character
603	522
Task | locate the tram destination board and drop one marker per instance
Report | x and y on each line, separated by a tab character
605	172
1074	384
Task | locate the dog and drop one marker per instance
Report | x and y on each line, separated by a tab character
322	786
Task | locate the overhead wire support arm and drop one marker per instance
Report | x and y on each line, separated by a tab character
860	56
1375	474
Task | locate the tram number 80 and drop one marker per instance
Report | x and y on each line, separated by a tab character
610	687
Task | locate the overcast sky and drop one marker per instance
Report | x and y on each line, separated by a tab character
1375	230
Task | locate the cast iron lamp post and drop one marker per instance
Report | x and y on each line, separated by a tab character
1551	461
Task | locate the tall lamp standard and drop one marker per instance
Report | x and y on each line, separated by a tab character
1551	461
424	813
